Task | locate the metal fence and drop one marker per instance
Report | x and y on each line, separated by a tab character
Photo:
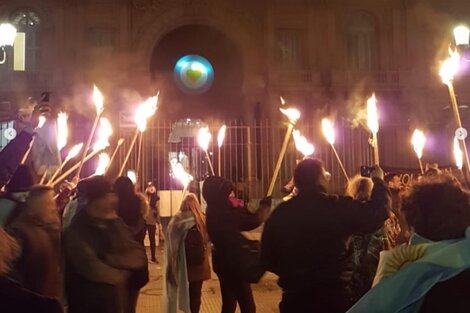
247	157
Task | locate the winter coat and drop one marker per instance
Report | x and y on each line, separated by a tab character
11	155
197	256
224	224
38	267
303	239
132	210
101	256
152	217
14	298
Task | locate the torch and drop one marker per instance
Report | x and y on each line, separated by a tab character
203	139
42	121
302	145
98	100
143	113
329	133
373	125
293	115
180	174
72	154
448	70
418	140
119	143
458	155
220	142
103	163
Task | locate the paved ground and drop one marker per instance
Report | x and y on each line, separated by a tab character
266	293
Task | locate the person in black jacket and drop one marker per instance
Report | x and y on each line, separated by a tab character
226	217
303	239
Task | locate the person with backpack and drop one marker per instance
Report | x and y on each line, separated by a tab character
187	258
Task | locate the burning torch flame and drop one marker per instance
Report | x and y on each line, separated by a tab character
328	130
458	154
105	131
418	141
221	135
98	100
292	114
62	130
145	111
283	102
302	144
42	121
204	137
132	176
372	115
179	173
74	151
103	163
450	67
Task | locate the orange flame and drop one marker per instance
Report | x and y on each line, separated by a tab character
62	130
221	135
372	114
179	173
98	100
458	154
328	130
283	102
42	121
74	151
292	114
450	67
204	137
103	163
145	111
104	132
418	140
132	176
302	144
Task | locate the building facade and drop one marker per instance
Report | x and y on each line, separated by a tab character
323	56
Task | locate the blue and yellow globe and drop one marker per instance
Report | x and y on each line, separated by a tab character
193	74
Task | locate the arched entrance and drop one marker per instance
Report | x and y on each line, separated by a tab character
224	99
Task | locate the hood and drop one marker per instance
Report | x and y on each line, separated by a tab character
216	189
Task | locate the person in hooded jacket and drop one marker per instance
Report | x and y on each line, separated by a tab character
226	217
303	239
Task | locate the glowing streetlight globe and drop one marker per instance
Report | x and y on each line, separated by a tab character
193	74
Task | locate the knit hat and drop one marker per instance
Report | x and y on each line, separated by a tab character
216	188
307	174
21	181
94	188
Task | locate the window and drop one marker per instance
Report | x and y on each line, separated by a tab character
27	46
362	43
290	46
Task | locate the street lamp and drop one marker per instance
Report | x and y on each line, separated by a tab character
7	38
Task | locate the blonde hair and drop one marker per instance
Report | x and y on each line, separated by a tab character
191	203
9	251
360	188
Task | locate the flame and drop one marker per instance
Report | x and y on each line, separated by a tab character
450	67
42	121
418	140
103	163
104	132
458	154
62	130
328	130
204	137
221	135
145	111
98	100
179	173
74	151
302	144
372	114
283	102
292	114
132	176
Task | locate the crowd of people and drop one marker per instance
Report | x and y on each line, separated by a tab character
377	248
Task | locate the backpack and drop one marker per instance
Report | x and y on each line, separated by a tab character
195	247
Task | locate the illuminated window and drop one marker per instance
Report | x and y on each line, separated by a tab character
27	46
290	48
362	43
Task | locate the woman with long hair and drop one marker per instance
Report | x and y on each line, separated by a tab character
187	260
